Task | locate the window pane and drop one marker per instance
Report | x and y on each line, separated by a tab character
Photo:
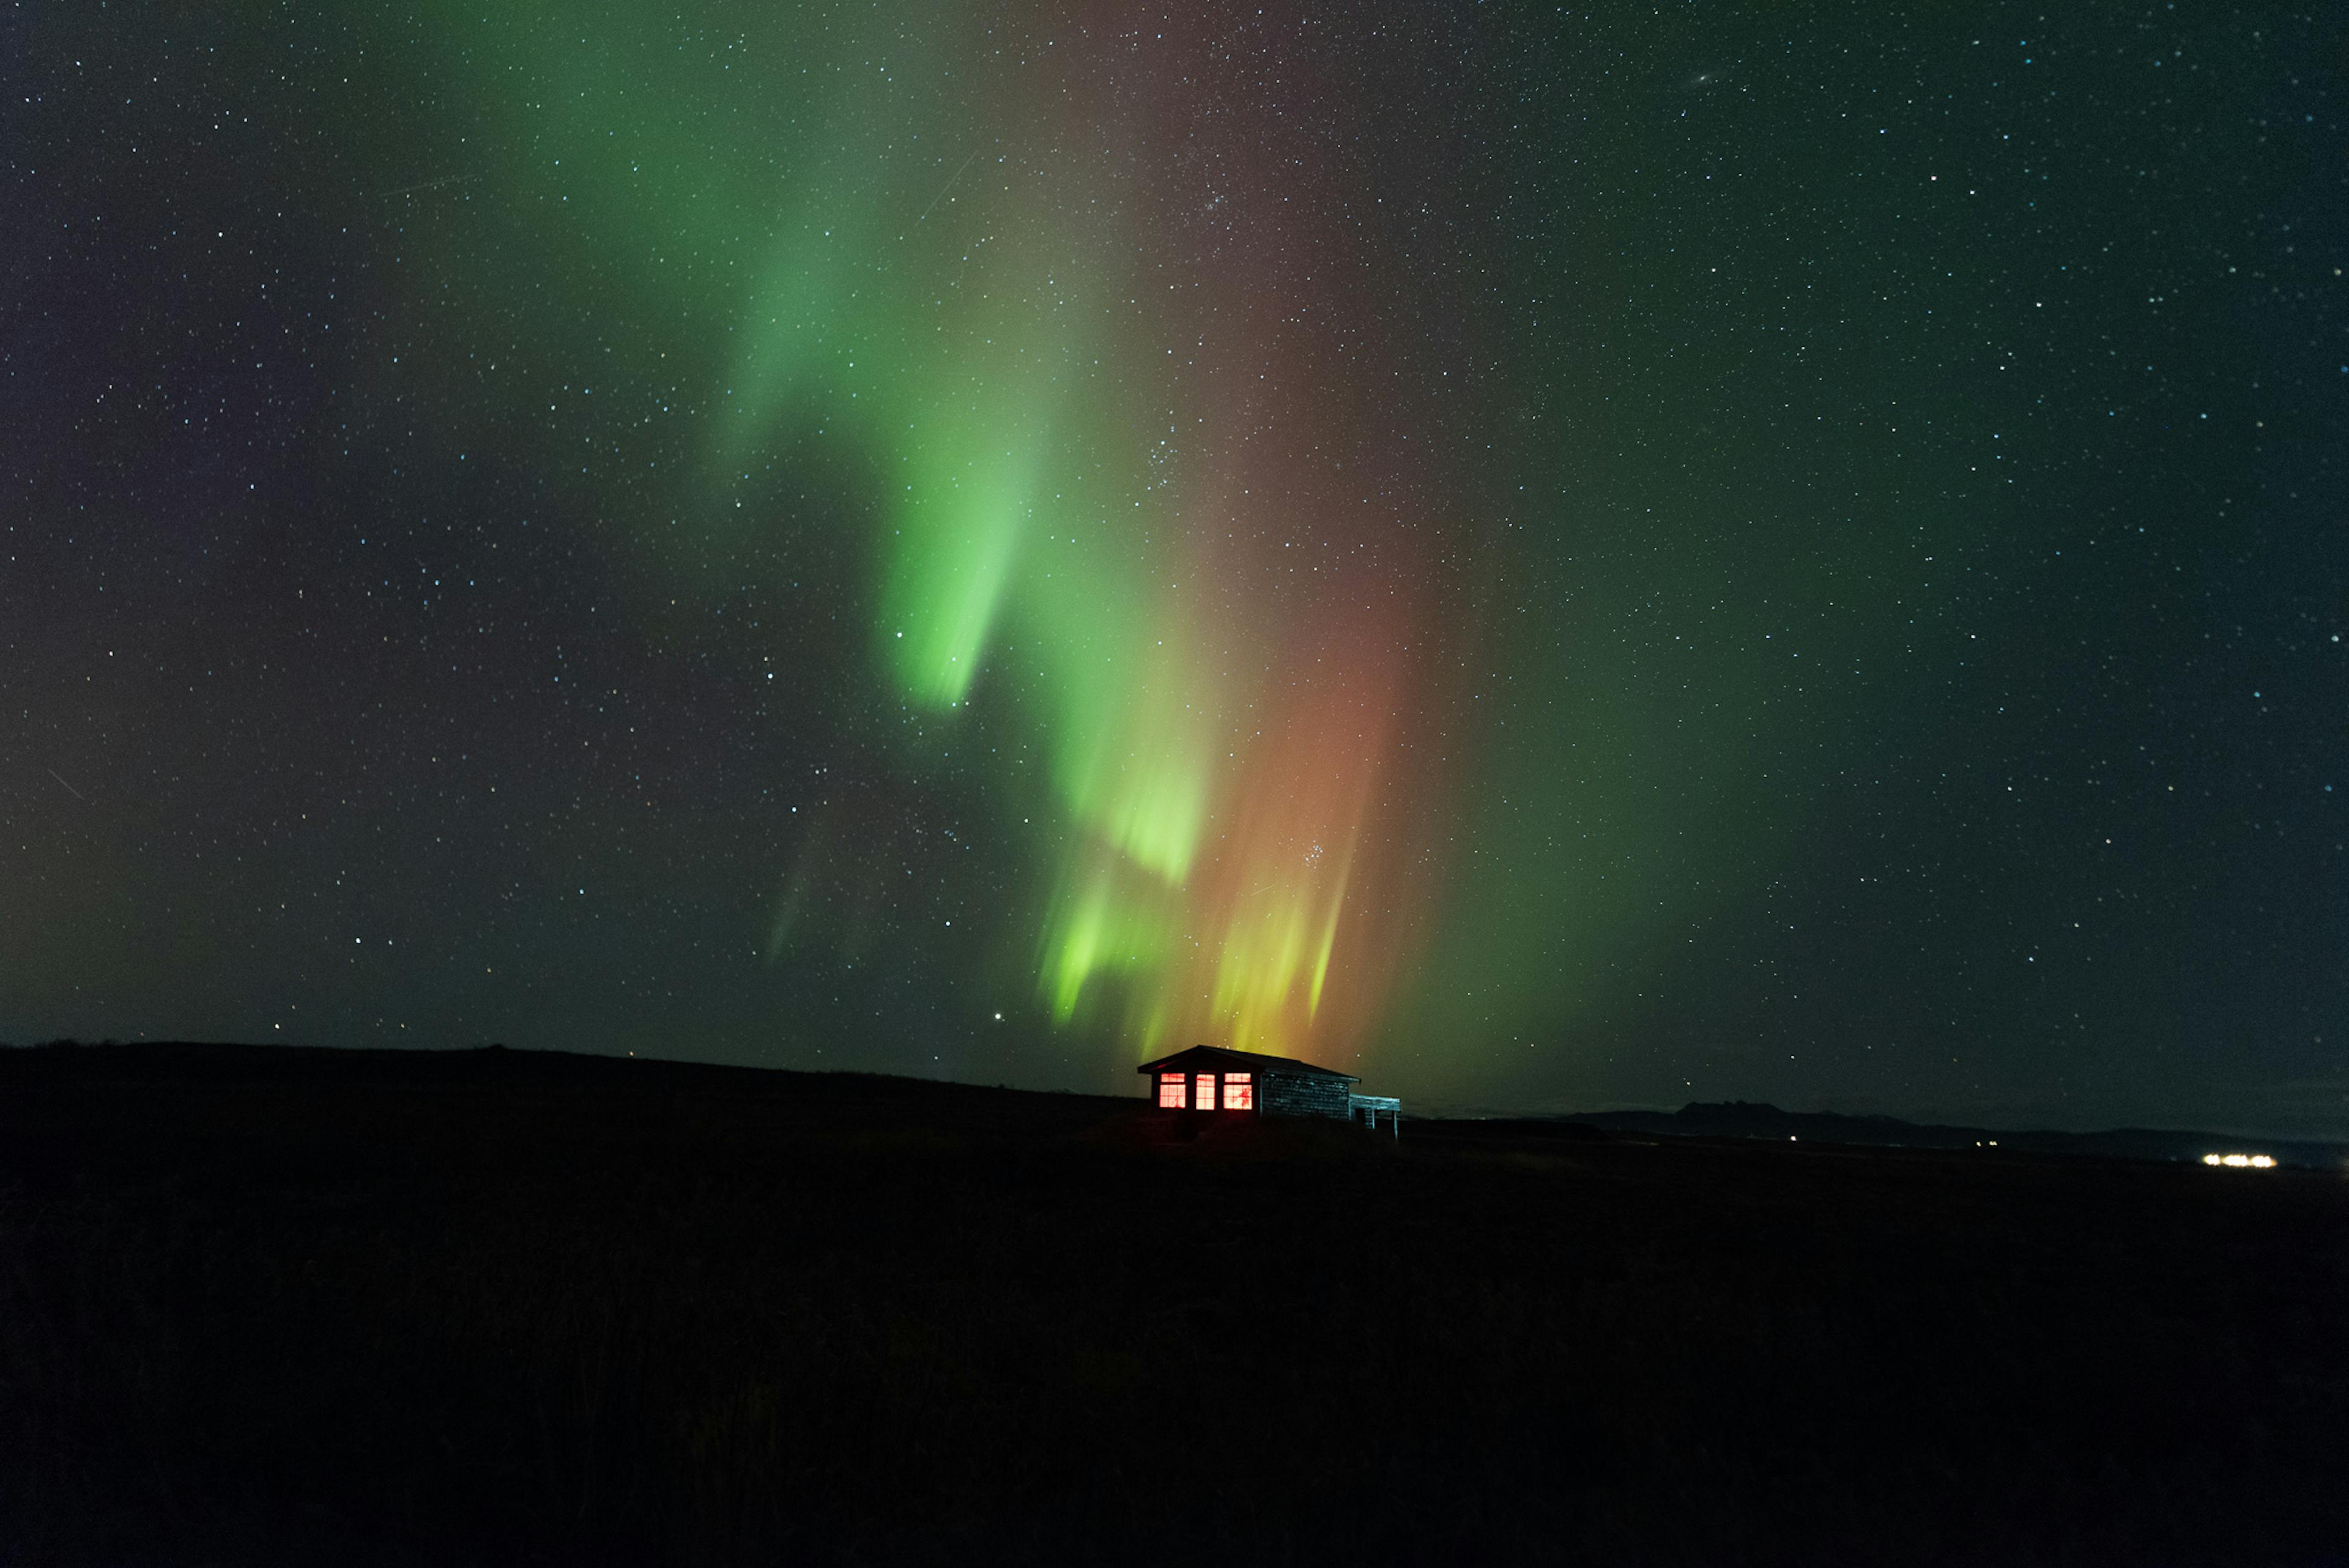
1206	1098
1170	1091
1239	1092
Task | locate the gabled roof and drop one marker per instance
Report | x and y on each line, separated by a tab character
1215	1058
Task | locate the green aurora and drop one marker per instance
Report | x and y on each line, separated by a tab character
1308	541
1100	452
1561	556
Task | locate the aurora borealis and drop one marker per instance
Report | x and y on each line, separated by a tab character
1134	473
1551	557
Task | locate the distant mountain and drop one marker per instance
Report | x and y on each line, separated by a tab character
1737	1118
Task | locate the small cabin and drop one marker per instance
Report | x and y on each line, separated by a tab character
1211	1078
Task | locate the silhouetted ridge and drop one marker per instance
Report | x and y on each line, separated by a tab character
1754	1120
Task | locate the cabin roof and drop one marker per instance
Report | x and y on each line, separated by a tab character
1221	1060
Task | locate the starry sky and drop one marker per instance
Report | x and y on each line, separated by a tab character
1550	558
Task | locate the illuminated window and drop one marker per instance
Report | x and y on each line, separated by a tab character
1170	1091
1239	1092
1205	1099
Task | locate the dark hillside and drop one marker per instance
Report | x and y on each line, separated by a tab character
1735	1119
265	1306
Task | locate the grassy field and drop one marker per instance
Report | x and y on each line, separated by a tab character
264	1306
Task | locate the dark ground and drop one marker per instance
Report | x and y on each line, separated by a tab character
264	1306
1736	1118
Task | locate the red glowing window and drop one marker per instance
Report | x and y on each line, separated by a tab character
1239	1092
1170	1091
1204	1100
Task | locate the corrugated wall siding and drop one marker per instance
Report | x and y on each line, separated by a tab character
1302	1095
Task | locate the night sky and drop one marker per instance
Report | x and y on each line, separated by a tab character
1550	557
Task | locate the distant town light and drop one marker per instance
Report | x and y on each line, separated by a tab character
2241	1161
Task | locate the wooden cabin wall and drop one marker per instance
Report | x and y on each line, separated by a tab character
1303	1095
